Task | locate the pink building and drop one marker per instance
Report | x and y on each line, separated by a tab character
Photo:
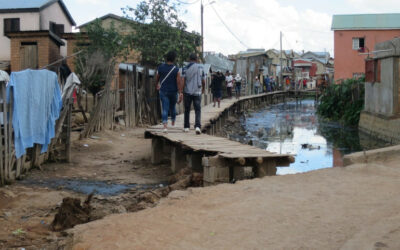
356	35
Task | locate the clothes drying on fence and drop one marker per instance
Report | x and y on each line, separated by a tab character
70	84
37	105
4	77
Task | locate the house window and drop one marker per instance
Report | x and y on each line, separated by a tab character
57	29
11	25
358	43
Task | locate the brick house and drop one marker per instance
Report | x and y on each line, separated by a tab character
355	37
30	32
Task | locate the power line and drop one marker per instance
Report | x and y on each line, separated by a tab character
226	26
182	2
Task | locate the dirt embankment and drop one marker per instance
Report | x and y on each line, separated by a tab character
114	164
357	207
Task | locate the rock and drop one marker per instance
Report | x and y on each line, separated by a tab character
9	193
197	180
260	132
149	197
178	194
78	119
231	120
118	210
181	184
7	215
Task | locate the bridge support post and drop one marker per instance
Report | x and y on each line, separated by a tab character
157	151
215	171
178	159
195	162
266	168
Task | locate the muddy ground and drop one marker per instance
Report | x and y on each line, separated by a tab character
113	164
356	207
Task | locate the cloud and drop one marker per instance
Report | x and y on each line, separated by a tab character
258	24
375	6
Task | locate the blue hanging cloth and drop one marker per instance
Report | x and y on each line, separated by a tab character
37	105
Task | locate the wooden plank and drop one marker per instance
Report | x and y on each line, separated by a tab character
206	143
68	136
2	133
8	136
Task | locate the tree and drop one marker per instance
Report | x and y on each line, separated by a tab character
99	50
157	30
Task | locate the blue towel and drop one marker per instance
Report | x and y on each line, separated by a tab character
37	105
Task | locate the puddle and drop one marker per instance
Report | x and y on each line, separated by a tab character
88	186
296	129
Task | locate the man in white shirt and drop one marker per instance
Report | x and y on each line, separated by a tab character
229	83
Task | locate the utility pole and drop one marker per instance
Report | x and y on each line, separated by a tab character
280	73
202	29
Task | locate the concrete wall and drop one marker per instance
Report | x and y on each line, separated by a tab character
28	21
349	61
383	98
54	13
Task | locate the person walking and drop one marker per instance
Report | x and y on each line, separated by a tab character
257	86
267	84
229	83
194	84
168	84
238	85
216	87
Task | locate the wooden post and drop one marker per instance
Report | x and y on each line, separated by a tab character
68	133
36	156
2	148
8	140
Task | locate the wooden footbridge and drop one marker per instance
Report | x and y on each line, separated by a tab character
221	159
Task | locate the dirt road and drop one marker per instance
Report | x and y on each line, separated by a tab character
357	207
115	161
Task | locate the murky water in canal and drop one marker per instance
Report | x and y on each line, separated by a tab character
296	129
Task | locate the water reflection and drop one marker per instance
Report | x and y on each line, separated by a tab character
295	129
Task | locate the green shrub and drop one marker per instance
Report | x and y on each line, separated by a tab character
343	102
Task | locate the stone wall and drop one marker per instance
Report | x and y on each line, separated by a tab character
384	128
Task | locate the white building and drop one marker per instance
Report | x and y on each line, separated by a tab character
32	15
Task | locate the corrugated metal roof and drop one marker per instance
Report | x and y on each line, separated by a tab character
23	4
366	21
218	63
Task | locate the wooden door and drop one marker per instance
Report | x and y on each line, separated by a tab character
29	56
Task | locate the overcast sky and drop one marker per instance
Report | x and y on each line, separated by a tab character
255	23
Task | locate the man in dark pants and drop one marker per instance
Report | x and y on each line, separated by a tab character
194	83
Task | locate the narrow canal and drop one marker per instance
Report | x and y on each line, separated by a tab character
296	129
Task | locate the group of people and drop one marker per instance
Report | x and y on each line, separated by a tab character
268	85
188	87
175	88
217	83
